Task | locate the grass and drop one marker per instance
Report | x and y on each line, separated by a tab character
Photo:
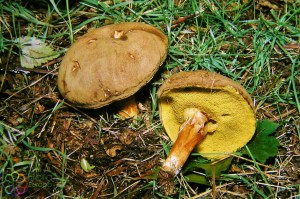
253	43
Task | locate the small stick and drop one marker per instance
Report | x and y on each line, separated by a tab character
41	71
213	180
97	191
180	20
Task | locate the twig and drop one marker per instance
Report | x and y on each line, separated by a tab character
99	187
130	186
240	195
34	70
33	83
9	53
213	181
180	20
248	160
283	115
78	110
41	71
209	191
6	67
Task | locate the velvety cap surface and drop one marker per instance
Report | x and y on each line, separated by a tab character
111	63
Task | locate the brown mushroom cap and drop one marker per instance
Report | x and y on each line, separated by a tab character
226	103
111	63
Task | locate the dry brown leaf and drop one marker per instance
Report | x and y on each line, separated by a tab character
268	4
116	172
39	108
112	152
127	136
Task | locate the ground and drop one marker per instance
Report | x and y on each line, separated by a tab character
50	142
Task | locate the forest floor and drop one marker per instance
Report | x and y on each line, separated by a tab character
44	139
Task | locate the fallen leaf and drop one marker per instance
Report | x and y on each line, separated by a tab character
34	52
112	152
39	108
268	4
127	136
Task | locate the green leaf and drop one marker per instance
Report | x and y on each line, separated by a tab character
197	178
34	52
266	127
85	165
220	166
206	166
264	145
195	164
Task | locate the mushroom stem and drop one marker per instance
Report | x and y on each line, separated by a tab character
191	133
128	107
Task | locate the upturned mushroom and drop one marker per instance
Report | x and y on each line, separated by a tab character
204	111
111	63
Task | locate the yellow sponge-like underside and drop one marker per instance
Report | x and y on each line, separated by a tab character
231	118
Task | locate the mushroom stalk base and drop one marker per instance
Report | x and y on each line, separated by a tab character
191	133
128	107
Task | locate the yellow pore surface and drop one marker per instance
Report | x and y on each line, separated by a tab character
231	118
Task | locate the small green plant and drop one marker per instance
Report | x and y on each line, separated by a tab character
264	145
85	165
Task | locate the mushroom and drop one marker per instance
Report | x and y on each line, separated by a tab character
204	111
111	63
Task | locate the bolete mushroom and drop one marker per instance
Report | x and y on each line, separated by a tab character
204	111
111	63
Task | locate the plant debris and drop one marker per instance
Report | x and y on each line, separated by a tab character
44	138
